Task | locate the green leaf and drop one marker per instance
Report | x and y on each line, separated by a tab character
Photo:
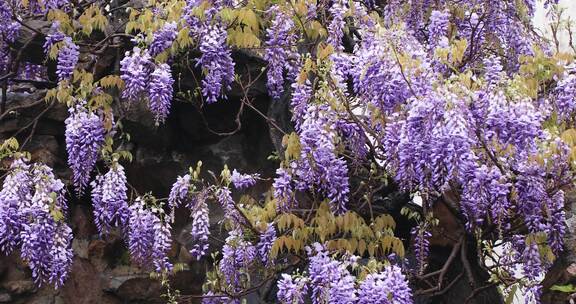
511	294
564	288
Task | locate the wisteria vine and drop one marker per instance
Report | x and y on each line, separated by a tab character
429	98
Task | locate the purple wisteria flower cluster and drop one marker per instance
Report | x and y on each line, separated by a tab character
146	80
160	92
376	75
421	243
237	255
67	59
145	226
16	189
54	36
292	290
33	72
336	27
265	244
484	147
149	237
216	59
493	70
300	99
331	281
565	101
109	198
243	181
33	210
388	287
224	196
182	195
84	138
280	50
135	69
319	165
200	226
491	23
43	6
284	190
68	52
438	29
9	32
216	62
163	38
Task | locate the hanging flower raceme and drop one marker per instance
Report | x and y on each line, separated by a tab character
565	101
280	47
518	123
336	27
161	247
163	38
32	213
110	201
9	28
149	237
264	246
67	59
428	146
135	69
292	290
33	72
237	255
243	181
216	62
54	36
421	244
200	225
227	203
141	233
354	138
194	23
378	78
84	138
43	6
46	238
9	32
68	52
493	70
491	147
438	29
485	191
330	280
160	92
16	191
301	95
532	267
283	190
387	287
319	162
542	210
179	194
